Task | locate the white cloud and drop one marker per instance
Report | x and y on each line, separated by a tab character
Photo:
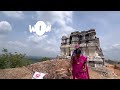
54	16
62	18
14	14
67	30
107	29
106	25
52	44
43	45
36	39
5	27
25	32
116	46
112	52
16	44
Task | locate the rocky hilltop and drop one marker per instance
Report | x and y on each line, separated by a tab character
57	69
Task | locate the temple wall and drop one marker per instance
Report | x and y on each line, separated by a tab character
91	52
89	49
67	51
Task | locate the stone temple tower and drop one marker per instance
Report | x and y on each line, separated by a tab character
89	44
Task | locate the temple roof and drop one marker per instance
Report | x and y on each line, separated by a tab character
64	37
75	33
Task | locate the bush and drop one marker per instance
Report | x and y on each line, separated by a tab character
9	60
117	66
44	59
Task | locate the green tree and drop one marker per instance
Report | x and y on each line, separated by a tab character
45	58
9	60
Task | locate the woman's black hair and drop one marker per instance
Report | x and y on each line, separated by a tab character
78	51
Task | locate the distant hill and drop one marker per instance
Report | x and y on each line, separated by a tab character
39	58
34	57
112	62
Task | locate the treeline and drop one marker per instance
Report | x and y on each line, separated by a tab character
13	60
115	63
44	59
112	62
38	59
9	60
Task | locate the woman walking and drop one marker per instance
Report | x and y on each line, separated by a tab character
79	66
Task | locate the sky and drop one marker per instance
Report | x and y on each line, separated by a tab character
16	37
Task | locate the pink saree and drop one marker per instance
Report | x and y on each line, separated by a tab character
80	68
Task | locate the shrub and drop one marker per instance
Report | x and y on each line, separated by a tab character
9	60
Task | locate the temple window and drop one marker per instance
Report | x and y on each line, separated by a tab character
87	36
81	38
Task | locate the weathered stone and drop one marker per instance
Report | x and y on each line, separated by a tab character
89	44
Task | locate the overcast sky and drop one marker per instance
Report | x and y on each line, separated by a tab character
15	35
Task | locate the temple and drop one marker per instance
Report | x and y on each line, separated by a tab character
89	44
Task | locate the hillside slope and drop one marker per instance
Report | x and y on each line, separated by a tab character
56	69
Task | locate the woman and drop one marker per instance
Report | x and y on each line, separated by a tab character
79	66
76	47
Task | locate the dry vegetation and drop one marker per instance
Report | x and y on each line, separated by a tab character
57	69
